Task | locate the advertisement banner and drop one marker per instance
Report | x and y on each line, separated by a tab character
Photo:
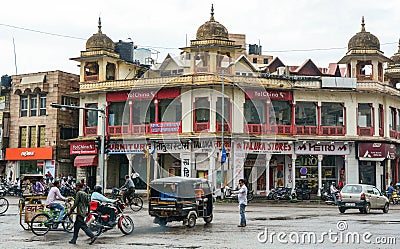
267	147
83	148
16	154
127	147
322	148
186	165
376	151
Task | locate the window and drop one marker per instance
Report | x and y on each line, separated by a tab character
227	110
364	115
265	60
118	114
42	106
69	101
306	114
33	105
42	136
169	110
254	60
24	105
32	137
202	110
91	116
143	112
68	133
254	111
23	133
398	120
332	114
392	119
280	113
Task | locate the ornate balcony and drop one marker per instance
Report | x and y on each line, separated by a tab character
201	126
365	131
306	130
91	131
333	130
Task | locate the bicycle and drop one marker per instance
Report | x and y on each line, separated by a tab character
135	202
3	205
47	219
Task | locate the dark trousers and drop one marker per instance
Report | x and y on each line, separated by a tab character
128	193
107	210
81	224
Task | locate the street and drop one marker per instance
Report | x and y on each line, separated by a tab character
269	225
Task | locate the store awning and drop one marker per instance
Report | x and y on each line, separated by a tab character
85	161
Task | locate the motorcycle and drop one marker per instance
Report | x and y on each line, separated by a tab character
98	222
282	194
327	197
303	193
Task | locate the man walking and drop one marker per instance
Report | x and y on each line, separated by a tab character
82	203
242	198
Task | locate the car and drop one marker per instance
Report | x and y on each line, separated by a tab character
363	197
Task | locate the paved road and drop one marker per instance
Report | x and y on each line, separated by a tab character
287	225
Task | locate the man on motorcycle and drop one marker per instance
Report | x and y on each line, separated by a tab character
334	191
104	209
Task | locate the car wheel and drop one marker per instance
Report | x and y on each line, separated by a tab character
367	208
342	210
361	210
386	208
191	221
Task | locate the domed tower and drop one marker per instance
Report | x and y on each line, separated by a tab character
364	59
212	51
101	62
392	72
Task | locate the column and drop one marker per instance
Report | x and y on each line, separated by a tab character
388	175
320	157
211	170
267	183
106	157
130	130
130	160
346	168
379	172
156	166
294	157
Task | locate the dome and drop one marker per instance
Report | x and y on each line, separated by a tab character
396	57
212	29
364	40
99	41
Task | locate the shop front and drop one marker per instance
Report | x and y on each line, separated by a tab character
319	163
30	161
264	164
376	164
86	161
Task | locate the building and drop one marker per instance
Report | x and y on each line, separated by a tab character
5	88
284	126
38	136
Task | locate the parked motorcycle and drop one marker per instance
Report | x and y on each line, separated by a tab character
303	193
98	222
282	194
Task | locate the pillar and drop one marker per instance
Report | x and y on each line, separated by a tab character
320	157
130	160
294	157
267	183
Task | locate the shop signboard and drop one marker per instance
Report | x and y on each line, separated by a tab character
261	93
265	147
171	146
165	127
376	151
20	154
185	165
83	148
209	145
127	147
322	148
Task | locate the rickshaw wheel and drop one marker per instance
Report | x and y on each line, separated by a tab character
208	219
191	221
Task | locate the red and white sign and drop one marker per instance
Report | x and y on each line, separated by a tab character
270	147
83	148
322	148
127	147
376	151
268	94
167	93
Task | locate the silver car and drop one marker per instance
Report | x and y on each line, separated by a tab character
362	197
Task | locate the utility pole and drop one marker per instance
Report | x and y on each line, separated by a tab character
103	132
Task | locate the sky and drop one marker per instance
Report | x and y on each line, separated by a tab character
46	34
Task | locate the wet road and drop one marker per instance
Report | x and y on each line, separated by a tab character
269	225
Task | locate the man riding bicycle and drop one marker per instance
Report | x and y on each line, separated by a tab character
54	194
98	196
130	186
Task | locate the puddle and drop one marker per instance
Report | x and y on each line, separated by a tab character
284	218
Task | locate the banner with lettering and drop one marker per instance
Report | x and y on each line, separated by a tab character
322	148
186	165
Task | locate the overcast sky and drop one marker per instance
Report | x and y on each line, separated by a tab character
281	27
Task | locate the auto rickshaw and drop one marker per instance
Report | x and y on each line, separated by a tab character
180	199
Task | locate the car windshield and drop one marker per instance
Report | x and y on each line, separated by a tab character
356	189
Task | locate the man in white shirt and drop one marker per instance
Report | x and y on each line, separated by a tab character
242	198
334	190
54	194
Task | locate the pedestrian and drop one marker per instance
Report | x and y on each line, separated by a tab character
82	204
130	188
53	196
390	191
242	198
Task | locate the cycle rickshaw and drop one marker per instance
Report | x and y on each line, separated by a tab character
180	199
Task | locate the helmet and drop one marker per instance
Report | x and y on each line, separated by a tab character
98	189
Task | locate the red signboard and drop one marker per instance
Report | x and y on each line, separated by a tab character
167	93
260	93
82	148
15	154
376	151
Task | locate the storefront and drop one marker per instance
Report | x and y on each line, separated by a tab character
376	163
86	161
320	163
30	161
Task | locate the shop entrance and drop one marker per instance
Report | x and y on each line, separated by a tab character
367	172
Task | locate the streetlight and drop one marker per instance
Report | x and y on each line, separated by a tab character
103	131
